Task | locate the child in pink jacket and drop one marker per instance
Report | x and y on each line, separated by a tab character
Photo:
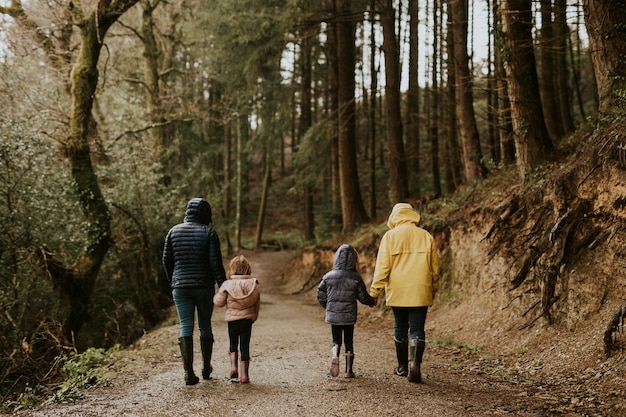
240	294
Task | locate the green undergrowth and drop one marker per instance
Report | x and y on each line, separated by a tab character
77	373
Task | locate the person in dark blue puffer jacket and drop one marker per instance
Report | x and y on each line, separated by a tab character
338	294
192	259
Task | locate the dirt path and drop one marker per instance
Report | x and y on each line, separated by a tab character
289	372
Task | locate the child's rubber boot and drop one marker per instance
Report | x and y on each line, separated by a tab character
234	365
244	378
349	363
334	361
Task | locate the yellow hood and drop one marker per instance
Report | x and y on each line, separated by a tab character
403	213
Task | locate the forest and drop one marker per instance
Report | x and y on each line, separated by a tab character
298	120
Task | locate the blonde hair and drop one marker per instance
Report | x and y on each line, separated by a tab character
239	265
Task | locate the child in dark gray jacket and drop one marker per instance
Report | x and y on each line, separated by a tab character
338	294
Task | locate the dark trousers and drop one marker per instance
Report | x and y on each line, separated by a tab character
409	320
347	333
239	332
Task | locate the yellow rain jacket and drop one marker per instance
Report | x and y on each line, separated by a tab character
407	265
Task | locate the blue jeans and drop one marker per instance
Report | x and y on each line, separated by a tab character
188	301
409	320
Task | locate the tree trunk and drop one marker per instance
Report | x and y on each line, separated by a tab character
562	67
464	100
605	25
333	109
505	126
267	181
398	186
56	44
453	161
352	209
76	284
548	76
492	101
372	112
238	181
576	59
413	104
306	123
151	75
433	130
227	140
530	133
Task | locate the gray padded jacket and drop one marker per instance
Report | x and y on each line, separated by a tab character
341	288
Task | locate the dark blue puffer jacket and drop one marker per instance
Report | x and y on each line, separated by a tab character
192	256
341	288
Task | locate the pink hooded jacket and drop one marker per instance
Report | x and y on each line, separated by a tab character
240	294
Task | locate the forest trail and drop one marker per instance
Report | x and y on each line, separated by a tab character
289	372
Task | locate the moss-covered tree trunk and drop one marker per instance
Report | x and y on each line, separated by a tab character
76	283
151	55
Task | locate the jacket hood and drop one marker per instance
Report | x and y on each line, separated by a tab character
345	258
241	286
198	211
403	213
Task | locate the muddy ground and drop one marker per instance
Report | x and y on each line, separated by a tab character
289	371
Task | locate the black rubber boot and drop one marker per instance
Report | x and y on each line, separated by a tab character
402	352
186	351
416	353
206	345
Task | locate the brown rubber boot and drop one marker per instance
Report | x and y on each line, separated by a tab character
349	363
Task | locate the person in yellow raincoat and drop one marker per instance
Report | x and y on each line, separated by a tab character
407	269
